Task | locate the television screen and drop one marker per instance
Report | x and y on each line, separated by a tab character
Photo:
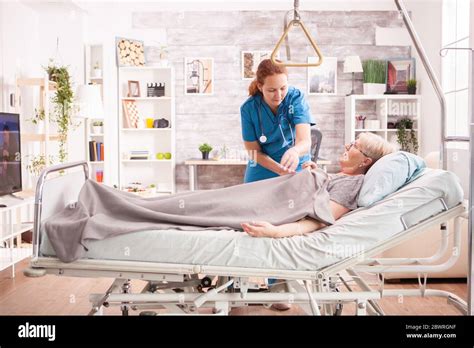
10	165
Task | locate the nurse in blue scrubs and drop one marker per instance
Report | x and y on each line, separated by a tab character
276	123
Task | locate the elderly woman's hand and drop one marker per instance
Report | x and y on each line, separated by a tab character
310	165
260	229
290	160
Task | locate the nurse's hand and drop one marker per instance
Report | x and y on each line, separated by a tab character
260	229
290	160
310	165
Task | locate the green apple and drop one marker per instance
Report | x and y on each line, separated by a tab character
159	156
168	155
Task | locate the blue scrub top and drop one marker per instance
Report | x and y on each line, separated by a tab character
293	110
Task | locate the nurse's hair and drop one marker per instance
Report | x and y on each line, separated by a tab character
265	68
374	146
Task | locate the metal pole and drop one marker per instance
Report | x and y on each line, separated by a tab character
434	80
470	276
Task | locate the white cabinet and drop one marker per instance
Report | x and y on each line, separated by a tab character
382	114
15	219
147	154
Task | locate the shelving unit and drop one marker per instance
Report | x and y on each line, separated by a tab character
93	70
12	226
159	172
36	140
385	109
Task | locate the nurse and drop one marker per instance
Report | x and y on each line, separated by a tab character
276	123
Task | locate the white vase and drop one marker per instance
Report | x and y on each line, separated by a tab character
96	129
374	88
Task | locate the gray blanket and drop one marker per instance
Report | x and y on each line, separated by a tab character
103	212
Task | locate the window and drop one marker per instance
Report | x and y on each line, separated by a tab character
455	66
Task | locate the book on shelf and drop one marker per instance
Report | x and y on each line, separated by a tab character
139	155
96	151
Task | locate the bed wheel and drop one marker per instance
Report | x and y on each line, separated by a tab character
206	282
34	272
338	310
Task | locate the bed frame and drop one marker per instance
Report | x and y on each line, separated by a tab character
182	288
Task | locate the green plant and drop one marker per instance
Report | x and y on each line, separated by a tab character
39	116
63	104
97	124
407	139
37	164
411	83
152	186
374	71
205	147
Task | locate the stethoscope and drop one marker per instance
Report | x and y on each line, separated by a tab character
263	139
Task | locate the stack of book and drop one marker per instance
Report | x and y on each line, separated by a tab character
139	154
96	151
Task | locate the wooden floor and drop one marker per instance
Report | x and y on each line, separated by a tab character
52	295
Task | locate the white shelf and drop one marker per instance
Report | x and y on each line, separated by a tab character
148	160
131	68
9	231
146	129
146	98
379	130
155	140
384	96
96	162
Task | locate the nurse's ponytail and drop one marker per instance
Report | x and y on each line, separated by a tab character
265	68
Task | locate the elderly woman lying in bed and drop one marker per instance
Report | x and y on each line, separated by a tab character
286	205
343	187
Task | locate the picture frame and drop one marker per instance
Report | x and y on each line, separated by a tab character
130	52
399	71
133	89
322	80
250	61
199	76
131	116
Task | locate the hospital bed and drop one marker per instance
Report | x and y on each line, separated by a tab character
184	271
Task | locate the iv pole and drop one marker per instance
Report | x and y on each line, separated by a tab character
444	139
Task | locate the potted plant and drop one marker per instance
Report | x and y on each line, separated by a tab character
205	149
411	86
36	165
97	71
63	104
152	188
97	127
374	76
406	135
38	119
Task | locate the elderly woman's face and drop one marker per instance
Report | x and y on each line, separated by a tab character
353	155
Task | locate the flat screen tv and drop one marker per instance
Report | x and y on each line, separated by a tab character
10	164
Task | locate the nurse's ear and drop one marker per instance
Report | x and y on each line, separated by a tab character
259	86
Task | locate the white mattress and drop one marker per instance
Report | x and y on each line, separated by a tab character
359	230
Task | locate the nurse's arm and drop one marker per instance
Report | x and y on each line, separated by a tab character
256	154
302	139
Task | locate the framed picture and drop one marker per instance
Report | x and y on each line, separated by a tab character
399	71
129	52
250	62
133	89
322	79
199	76
131	117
